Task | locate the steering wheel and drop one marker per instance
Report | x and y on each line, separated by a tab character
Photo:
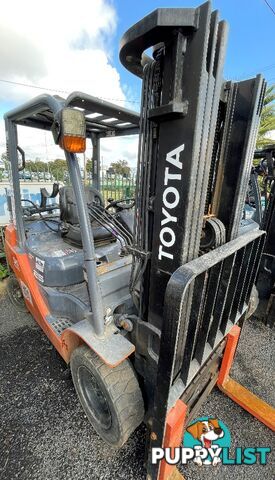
121	204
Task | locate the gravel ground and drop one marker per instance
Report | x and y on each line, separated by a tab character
45	434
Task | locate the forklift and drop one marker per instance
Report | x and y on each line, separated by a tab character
146	299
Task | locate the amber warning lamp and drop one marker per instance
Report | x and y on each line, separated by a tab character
73	131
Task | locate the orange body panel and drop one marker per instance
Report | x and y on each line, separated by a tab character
65	343
35	302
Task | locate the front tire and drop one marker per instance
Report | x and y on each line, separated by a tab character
110	397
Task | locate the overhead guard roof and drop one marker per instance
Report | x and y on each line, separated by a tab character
103	118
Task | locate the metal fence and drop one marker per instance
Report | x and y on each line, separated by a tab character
117	186
113	186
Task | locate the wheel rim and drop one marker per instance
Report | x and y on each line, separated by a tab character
94	397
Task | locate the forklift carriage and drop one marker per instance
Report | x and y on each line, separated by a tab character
147	304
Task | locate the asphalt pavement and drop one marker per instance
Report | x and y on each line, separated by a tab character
44	433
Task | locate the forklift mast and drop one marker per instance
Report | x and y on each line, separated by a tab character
194	258
196	144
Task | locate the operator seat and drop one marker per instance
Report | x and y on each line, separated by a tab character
70	229
126	218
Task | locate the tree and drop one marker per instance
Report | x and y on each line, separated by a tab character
58	164
121	167
267	123
89	165
58	168
36	166
3	161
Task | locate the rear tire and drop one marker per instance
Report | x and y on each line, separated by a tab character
110	397
15	294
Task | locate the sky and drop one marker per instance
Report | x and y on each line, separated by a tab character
64	47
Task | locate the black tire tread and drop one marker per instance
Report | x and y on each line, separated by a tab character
123	388
20	306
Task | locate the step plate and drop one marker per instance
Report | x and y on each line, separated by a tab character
60	324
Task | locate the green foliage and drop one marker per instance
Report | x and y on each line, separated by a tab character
121	167
3	271
57	168
58	164
89	165
36	166
267	118
4	161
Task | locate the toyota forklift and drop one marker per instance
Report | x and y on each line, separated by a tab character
146	304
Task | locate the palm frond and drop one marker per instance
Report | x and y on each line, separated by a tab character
267	124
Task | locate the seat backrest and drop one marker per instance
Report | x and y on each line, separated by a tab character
68	210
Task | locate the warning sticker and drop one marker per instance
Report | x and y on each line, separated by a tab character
39	264
38	276
15	263
69	250
26	292
64	252
58	253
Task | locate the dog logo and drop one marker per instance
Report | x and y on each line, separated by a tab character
207	441
207	434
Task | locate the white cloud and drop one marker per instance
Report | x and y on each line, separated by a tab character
62	46
123	148
23	58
